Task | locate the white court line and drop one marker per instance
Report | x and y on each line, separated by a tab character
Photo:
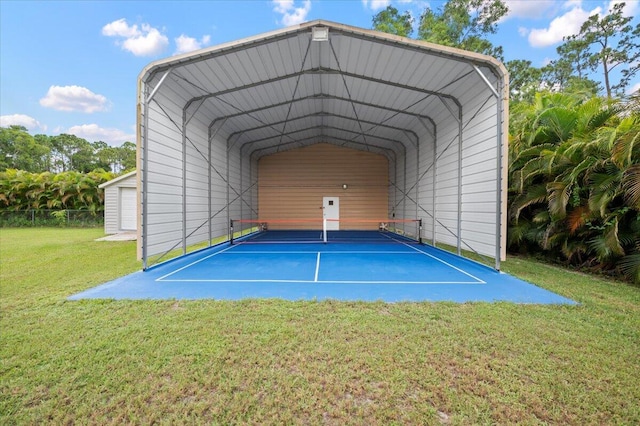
193	263
315	279
251	243
326	252
440	260
478	280
323	282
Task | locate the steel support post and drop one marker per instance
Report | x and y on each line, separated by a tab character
459	247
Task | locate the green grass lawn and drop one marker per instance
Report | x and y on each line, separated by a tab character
279	362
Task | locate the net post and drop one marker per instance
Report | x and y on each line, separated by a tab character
420	231
231	233
324	230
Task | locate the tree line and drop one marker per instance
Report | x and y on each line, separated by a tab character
21	190
60	172
606	48
574	142
62	153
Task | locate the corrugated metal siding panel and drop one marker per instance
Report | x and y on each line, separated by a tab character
292	184
219	223
410	186
234	181
164	241
446	208
479	174
249	187
165	168
165	191
397	200
426	183
197	183
392	190
245	186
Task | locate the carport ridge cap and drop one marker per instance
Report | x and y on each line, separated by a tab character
149	71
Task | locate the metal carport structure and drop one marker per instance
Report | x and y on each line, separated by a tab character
438	114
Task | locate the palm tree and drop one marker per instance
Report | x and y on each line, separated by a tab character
575	181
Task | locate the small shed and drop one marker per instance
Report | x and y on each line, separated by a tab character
120	204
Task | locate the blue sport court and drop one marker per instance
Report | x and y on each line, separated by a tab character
299	265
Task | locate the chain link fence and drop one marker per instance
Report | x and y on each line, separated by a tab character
57	218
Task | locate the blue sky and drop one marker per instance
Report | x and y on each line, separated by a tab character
72	67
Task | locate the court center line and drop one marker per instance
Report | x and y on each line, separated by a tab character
315	279
439	260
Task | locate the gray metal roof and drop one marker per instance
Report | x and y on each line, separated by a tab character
117	179
360	88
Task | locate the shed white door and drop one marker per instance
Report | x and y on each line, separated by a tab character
128	209
331	209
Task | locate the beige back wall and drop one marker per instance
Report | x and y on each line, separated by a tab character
291	185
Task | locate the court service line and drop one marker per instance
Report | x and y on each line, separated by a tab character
193	263
320	282
315	279
253	242
240	252
440	260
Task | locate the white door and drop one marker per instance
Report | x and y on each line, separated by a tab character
331	210
128	210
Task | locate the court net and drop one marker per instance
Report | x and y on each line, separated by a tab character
325	230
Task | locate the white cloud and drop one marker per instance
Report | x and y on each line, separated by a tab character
149	43
120	28
93	132
630	7
74	98
562	26
377	4
634	88
570	4
186	44
523	31
282	6
292	15
529	9
141	41
21	120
